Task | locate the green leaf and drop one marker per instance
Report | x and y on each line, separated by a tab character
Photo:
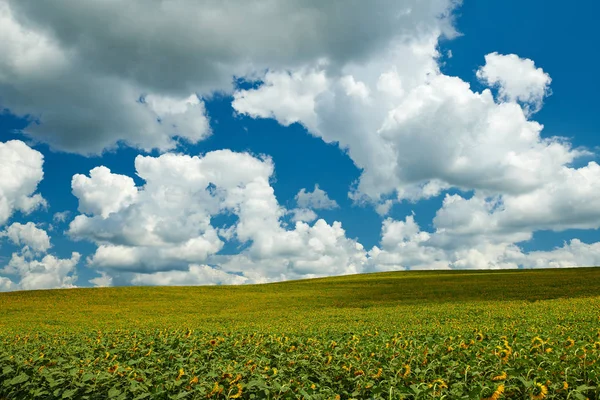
69	393
17	380
114	392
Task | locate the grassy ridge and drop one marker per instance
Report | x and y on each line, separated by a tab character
251	305
403	335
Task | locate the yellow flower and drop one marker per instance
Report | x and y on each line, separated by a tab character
194	380
500	377
565	385
406	371
239	392
569	343
497	393
537	341
181	373
539	391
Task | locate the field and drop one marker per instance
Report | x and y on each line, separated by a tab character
404	335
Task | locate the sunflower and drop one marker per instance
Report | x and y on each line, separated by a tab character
502	377
569	343
406	371
438	385
497	393
539	391
239	392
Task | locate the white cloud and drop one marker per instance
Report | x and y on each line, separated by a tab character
22	171
517	79
572	254
166	229
103	193
196	275
303	214
104	280
60	217
304	252
5	284
288	98
91	72
317	199
423	132
28	235
48	273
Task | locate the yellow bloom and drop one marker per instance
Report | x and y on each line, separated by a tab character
181	373
194	380
497	393
569	343
406	371
239	392
539	391
500	377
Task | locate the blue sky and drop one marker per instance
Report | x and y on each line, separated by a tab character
308	109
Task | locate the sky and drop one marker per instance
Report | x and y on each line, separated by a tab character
199	143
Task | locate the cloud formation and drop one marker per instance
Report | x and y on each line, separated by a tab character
316	200
22	171
137	82
162	231
377	92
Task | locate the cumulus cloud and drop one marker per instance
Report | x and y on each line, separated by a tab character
303	214
195	275
316	200
103	193
288	98
28	235
165	232
60	217
5	284
377	92
517	79
405	246
422	132
143	70
22	171
48	273
30	267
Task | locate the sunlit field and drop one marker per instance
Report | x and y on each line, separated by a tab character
404	335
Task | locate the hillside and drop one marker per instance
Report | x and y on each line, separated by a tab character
400	335
211	307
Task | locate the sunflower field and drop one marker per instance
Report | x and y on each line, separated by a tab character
406	335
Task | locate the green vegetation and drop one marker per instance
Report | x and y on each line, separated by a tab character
413	335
